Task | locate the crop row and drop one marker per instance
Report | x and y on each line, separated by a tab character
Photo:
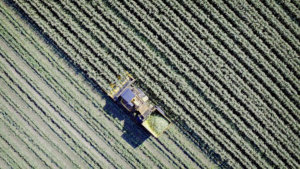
276	11
195	97
49	120
263	52
78	15
10	155
290	10
36	147
14	153
21	149
58	134
7	159
256	32
271	122
165	21
36	129
296	3
43	110
29	121
236	63
135	8
277	22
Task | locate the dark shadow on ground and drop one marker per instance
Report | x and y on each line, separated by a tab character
134	134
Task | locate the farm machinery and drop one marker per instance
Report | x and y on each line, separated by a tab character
134	100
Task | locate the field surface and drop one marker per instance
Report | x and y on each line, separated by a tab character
227	73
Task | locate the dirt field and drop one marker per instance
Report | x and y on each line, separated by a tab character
227	73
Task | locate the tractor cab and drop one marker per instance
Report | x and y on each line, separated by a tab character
138	104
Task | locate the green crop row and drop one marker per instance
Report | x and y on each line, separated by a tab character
271	111
135	8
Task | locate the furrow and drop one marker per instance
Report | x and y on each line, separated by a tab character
241	91
290	10
80	56
20	110
296	3
25	119
10	144
77	36
70	25
14	157
59	126
15	106
285	29
87	111
258	40
185	29
152	24
4	162
282	142
236	11
30	123
249	68
272	148
165	21
8	157
33	145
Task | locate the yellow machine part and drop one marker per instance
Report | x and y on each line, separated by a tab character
122	80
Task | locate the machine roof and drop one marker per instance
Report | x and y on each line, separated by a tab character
127	95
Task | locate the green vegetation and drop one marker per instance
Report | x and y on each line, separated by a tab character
157	123
226	73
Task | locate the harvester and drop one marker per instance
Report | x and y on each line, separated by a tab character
134	100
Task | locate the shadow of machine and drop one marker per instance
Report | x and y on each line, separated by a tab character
134	134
